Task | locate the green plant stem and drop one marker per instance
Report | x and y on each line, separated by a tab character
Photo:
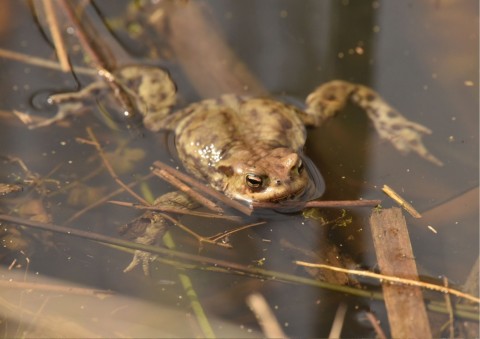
229	267
185	280
191	294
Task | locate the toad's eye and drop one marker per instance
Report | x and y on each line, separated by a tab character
300	167
253	180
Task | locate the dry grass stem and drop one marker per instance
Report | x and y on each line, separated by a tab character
338	322
200	238
395	280
31	60
265	316
402	202
56	35
104	199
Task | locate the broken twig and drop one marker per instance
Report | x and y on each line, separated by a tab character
265	316
184	188
204	189
56	35
402	202
288	205
170	209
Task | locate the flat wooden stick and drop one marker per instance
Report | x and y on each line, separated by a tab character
406	310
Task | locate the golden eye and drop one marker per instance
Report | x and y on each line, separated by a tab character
253	180
300	167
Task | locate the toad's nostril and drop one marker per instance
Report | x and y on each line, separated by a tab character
278	182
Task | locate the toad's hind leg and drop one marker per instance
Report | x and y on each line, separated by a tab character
153	91
150	227
331	97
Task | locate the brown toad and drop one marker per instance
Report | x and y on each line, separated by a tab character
248	148
251	148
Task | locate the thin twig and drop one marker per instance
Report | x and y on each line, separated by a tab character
96	59
265	316
28	59
200	238
392	279
376	326
402	202
338	322
184	188
171	209
110	169
105	198
222	235
83	39
56	35
287	205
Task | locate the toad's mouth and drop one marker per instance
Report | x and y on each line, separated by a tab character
312	190
290	196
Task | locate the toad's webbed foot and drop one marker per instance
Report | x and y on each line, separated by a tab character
150	90
143	258
150	228
72	103
405	135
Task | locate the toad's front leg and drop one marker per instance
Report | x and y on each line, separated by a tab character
331	97
150	227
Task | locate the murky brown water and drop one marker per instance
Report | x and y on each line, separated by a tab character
422	58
